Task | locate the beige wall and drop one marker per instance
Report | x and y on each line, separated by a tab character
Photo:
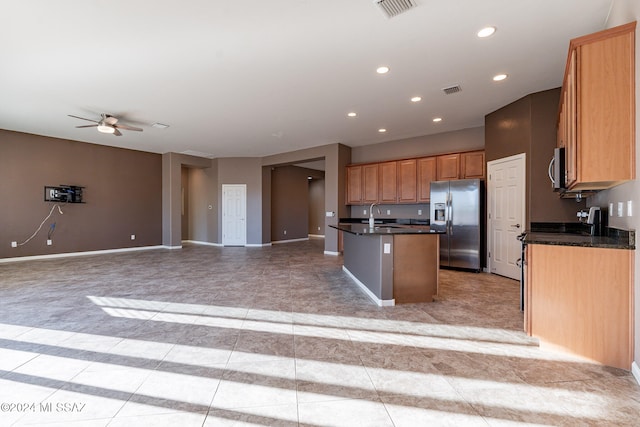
122	194
448	142
622	12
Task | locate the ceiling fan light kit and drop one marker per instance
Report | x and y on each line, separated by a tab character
105	128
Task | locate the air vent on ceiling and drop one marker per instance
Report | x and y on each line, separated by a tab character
392	8
452	89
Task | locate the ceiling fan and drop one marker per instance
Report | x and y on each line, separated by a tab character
107	124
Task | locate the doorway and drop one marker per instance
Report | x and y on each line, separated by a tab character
234	214
505	214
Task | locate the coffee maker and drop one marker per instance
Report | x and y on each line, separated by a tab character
595	219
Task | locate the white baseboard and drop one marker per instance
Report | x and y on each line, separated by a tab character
380	302
277	242
200	242
257	245
73	254
317	236
331	253
635	370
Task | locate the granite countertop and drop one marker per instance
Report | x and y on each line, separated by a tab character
614	239
363	229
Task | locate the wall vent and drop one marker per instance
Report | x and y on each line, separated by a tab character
452	89
392	8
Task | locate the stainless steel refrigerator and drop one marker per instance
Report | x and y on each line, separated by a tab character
456	207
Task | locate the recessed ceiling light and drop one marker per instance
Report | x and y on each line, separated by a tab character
437	119
499	77
416	99
382	70
486	32
351	114
382	130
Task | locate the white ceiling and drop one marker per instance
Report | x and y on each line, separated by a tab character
256	77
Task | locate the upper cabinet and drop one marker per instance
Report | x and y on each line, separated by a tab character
472	165
362	184
448	167
409	180
426	174
597	106
387	174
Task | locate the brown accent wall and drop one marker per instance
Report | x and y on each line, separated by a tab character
528	126
123	194
184	204
316	206
289	203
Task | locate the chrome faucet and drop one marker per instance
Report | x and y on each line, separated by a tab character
372	221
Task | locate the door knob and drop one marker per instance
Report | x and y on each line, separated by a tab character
516	226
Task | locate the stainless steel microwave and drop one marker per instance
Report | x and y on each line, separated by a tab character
556	170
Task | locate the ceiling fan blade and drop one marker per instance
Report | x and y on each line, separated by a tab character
82	118
116	132
87	126
127	127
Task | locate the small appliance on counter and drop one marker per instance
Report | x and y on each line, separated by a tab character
594	219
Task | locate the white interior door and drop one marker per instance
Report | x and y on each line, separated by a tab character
234	214
506	214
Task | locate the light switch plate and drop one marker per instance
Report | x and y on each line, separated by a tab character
629	208
620	209
387	248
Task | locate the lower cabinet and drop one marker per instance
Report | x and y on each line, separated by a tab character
580	300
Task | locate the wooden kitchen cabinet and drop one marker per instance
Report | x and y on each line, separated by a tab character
354	185
362	184
426	174
580	300
370	183
448	167
388	182
472	165
407	181
597	110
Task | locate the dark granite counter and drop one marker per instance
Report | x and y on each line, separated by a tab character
614	238
364	229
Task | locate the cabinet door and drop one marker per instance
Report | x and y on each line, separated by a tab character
370	183
605	110
472	165
426	174
448	167
407	180
354	185
387	177
569	124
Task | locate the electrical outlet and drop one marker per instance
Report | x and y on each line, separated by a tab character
419	211
14	244
318	228
610	208
49	242
133	237
629	208
620	209
364	212
388	211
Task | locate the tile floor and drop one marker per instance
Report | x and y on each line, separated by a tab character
277	336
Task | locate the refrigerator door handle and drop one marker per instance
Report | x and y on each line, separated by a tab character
450	214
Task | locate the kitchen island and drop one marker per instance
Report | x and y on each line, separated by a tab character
392	263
